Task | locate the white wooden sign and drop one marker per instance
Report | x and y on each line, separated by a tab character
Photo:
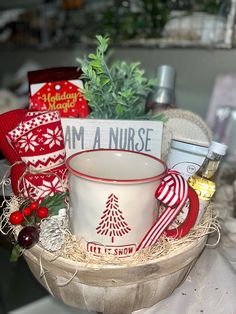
141	136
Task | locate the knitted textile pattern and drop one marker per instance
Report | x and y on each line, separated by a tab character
8	121
38	140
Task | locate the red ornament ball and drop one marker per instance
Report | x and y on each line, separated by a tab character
42	212
34	205
28	236
16	218
26	211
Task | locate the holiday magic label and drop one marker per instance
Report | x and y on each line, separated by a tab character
64	96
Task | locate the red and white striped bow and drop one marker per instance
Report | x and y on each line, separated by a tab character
173	192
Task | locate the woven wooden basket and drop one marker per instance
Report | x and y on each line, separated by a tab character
113	289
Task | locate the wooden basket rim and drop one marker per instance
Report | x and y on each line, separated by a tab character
51	257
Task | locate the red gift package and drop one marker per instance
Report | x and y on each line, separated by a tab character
58	89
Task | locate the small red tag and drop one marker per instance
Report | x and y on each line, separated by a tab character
64	96
58	89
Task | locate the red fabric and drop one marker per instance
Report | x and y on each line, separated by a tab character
8	121
38	141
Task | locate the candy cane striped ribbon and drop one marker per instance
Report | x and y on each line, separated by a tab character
173	192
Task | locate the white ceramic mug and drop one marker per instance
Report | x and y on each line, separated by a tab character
112	195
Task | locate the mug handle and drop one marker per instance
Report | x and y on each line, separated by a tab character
173	191
190	219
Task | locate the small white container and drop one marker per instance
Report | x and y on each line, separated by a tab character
186	157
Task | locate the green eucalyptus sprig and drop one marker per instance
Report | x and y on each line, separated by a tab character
116	92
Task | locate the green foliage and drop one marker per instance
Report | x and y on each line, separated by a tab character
134	19
16	252
54	203
116	92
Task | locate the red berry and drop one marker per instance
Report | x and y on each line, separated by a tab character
26	211
16	218
34	205
28	236
42	212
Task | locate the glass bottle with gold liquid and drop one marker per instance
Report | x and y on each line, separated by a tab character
203	181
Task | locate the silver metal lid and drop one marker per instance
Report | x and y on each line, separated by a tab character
166	76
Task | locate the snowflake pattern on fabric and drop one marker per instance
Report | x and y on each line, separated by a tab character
28	142
54	137
51	187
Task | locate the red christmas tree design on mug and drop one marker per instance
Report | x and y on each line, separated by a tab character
112	221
